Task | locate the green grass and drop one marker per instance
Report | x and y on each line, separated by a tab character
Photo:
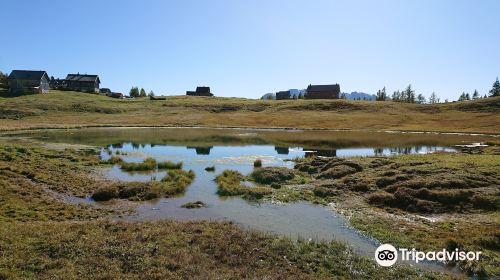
147	165
169	165
71	109
172	250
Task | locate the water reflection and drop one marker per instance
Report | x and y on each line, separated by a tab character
201	150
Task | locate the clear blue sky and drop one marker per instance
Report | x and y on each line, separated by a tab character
248	48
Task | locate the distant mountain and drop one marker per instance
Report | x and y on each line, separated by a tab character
352	96
360	95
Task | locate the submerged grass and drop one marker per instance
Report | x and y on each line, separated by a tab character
194	204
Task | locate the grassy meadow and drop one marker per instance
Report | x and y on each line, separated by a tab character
72	109
425	201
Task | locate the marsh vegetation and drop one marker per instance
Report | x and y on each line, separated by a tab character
427	201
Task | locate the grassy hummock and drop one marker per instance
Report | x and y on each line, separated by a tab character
169	165
174	183
148	164
423	201
229	184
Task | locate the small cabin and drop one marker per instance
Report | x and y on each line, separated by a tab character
84	83
200	91
282	95
28	82
323	92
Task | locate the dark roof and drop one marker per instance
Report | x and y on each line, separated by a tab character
27	75
334	87
203	89
82	78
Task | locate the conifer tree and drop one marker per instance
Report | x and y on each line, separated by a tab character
495	90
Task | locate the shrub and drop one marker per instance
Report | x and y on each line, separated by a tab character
257	163
270	175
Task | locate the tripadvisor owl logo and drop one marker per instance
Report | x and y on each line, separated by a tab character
386	255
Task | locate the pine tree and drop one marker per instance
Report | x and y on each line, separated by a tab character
495	90
409	95
134	92
433	98
142	93
475	95
151	94
467	96
381	95
420	99
396	96
300	95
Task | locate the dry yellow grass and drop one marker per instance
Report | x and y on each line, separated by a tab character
70	109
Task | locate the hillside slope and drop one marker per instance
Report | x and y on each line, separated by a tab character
71	109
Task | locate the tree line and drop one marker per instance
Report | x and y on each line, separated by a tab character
135	92
408	95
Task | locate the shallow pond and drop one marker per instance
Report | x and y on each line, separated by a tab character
237	149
